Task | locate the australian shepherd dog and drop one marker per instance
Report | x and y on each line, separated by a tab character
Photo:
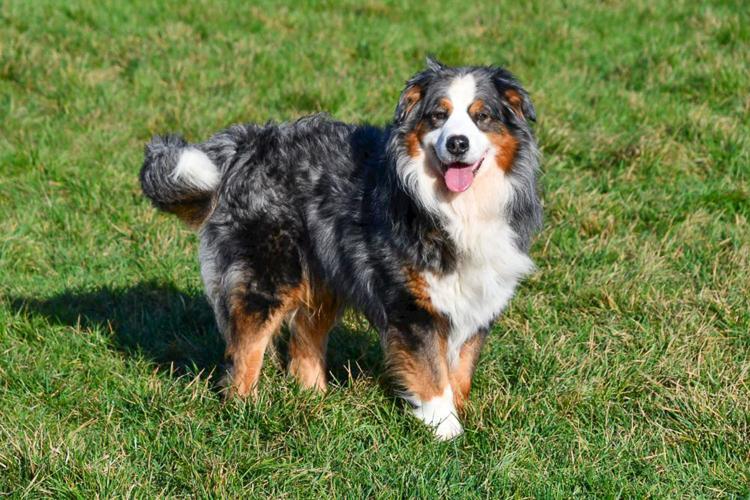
423	226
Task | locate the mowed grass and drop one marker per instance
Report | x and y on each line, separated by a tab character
622	367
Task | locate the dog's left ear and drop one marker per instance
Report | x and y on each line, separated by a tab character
514	95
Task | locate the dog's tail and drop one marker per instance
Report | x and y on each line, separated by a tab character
179	178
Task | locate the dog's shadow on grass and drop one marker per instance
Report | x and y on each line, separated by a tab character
177	332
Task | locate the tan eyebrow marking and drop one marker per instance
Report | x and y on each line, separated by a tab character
446	104
476	107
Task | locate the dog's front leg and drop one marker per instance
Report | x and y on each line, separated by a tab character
417	360
461	371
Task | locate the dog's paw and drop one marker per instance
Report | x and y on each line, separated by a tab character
440	414
448	429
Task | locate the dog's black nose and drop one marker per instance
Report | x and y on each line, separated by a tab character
457	144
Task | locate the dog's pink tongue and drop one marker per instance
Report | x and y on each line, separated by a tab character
459	176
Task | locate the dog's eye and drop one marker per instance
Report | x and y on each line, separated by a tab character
482	116
439	116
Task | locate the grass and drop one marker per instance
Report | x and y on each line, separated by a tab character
620	369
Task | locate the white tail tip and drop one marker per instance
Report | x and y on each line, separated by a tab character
197	169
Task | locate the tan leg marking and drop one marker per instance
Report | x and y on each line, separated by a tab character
250	337
250	334
307	349
423	374
462	373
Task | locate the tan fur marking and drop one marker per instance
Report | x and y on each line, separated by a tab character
247	347
307	349
424	375
412	97
476	107
447	105
506	146
463	372
417	285
192	213
250	335
515	101
413	139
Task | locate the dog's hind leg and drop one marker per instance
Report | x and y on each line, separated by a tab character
254	278
250	333
307	349
419	363
254	318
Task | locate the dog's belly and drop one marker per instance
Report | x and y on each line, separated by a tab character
479	289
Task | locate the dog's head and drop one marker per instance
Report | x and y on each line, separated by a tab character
459	129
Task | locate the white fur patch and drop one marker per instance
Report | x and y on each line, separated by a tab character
483	282
212	281
461	93
196	169
440	414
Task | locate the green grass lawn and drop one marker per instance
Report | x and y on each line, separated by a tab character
622	367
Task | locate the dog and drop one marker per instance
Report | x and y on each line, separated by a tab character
423	226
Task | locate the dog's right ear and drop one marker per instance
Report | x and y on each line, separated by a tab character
409	99
415	90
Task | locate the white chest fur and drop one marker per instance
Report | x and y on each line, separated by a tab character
489	264
482	284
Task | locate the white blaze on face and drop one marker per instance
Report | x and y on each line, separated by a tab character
461	93
458	170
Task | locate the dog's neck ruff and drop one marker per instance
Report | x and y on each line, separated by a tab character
488	263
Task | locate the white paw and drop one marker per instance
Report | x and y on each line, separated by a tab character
440	414
448	429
